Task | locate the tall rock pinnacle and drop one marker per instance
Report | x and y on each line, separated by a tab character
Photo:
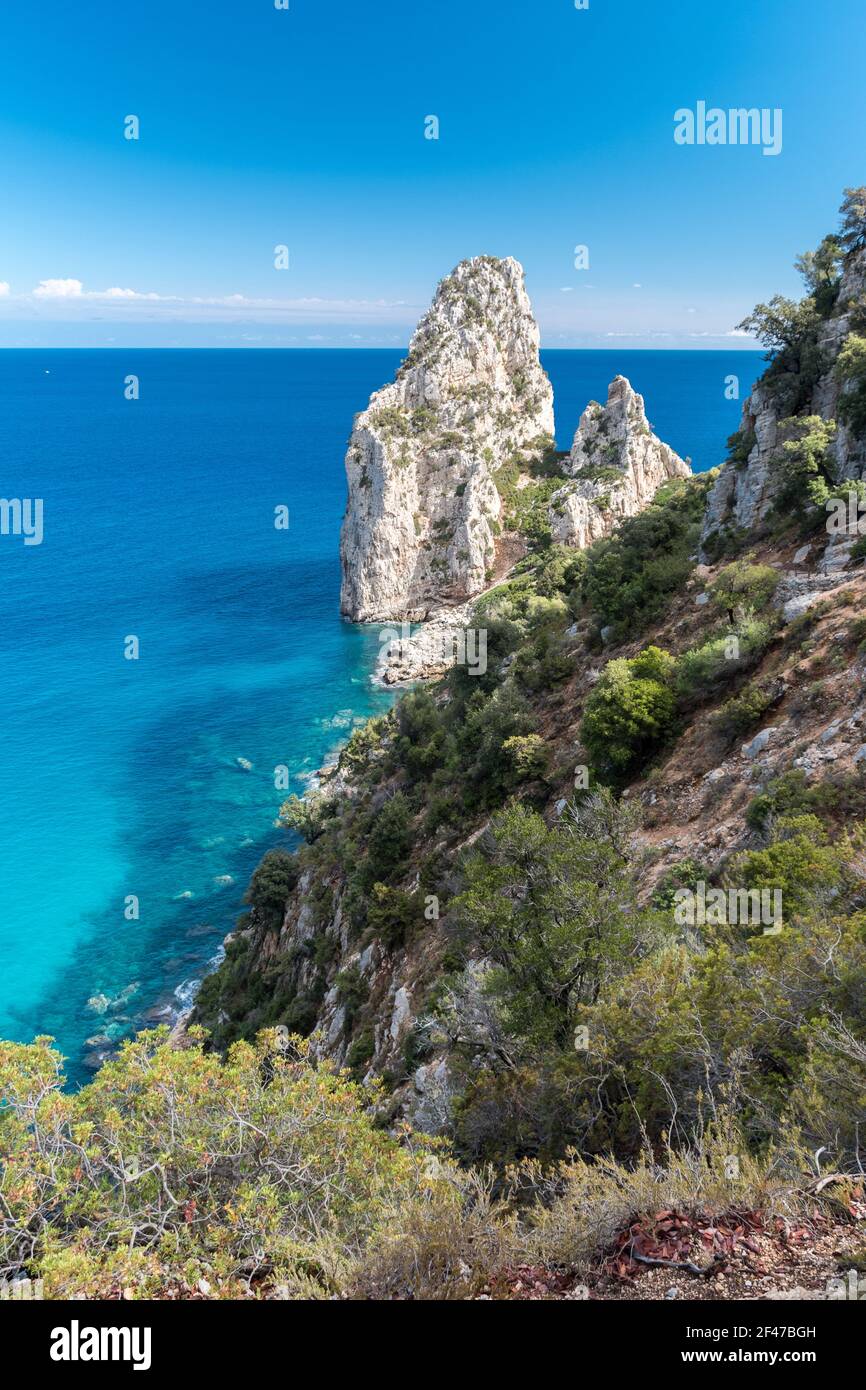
423	511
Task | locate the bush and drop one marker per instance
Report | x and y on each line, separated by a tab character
802	464
629	715
744	589
702	670
745	711
389	842
306	815
272	882
850	372
801	864
630	576
833	800
392	915
173	1166
527	755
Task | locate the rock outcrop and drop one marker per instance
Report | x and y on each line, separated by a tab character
423	511
746	488
616	465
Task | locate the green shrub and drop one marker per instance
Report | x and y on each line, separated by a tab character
306	815
630	576
174	1166
743	588
745	711
389	842
629	715
834	800
528	756
392	915
800	864
850	372
272	882
703	670
802	464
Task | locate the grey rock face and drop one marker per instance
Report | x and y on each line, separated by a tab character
616	465
423	508
744	493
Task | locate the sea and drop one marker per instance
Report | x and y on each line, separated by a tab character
175	638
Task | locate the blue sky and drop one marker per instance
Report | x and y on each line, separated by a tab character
261	127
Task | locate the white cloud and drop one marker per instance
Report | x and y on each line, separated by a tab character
59	289
67	297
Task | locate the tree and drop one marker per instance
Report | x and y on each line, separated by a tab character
389	841
555	913
803	462
271	884
306	814
852	237
781	325
743	588
850	372
630	712
791	332
820	269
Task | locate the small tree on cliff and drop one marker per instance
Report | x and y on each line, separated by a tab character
853	212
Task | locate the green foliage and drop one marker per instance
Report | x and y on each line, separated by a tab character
802	464
790	330
740	445
352	993
631	712
834	800
821	271
745	711
800	863
393	915
703	670
528	756
363	745
487	775
743	588
852	237
270	886
389	841
555	912
630	576
850	371
173	1166
306	815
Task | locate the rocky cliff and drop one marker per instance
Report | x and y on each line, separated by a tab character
736	689
804	380
482	925
424	510
616	465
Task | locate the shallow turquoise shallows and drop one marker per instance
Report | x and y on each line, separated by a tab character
121	781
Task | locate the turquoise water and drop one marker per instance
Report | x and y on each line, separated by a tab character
121	778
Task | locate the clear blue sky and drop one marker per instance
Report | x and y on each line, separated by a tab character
306	128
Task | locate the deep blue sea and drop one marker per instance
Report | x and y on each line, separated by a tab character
120	778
